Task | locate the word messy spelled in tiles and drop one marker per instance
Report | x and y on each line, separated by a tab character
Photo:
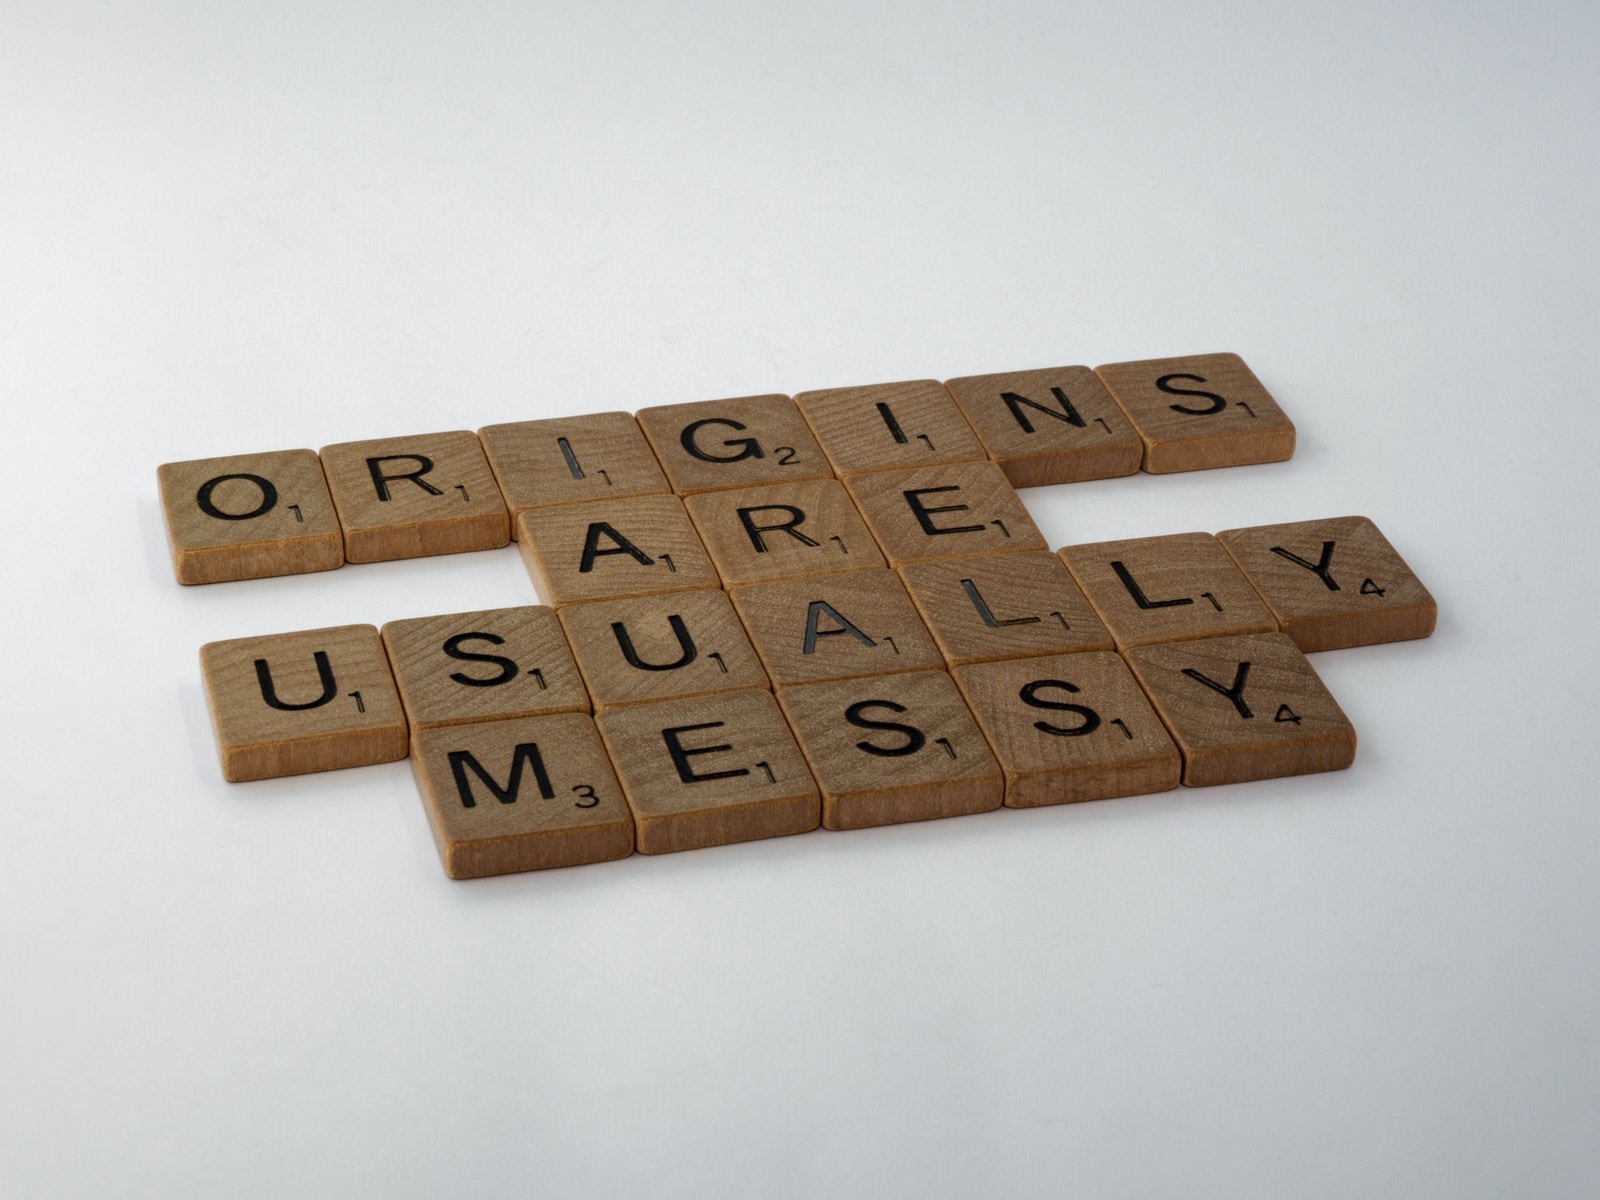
763	615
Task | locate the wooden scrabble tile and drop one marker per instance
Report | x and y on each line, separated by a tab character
709	770
944	512
407	497
567	460
521	795
1333	583
713	444
883	426
1206	410
783	530
291	703
648	648
465	668
892	748
1166	589
1056	425
1247	707
835	627
1069	727
249	516
642	546
1003	606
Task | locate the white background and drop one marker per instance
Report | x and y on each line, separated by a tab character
227	228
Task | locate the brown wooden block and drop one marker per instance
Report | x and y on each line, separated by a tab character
291	703
747	440
642	546
407	497
783	530
248	516
1333	583
1069	727
1166	589
1247	707
1206	410
1056	425
521	795
709	770
465	668
567	460
1003	606
835	627
944	512
892	748
648	648
883	426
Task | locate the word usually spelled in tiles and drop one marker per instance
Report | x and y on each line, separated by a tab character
783	530
1165	589
1207	410
1070	727
1003	606
521	795
291	703
407	497
887	425
661	647
944	512
1333	583
710	770
892	748
748	440
600	550
1242	708
1052	426
567	460
835	627
249	516
464	668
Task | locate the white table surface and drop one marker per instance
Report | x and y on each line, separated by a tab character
235	227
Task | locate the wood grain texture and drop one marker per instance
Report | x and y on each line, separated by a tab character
783	530
642	546
570	460
249	516
1205	410
649	648
1056	425
739	442
1069	727
521	795
466	668
1003	606
710	770
292	703
1167	589
835	627
409	497
1241	708
884	426
946	511
892	748
1333	583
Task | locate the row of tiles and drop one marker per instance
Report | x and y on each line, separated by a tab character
567	788
1326	584
296	511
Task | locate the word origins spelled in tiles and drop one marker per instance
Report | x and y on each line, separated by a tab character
764	615
413	496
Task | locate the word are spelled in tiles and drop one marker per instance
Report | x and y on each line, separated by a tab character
832	610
